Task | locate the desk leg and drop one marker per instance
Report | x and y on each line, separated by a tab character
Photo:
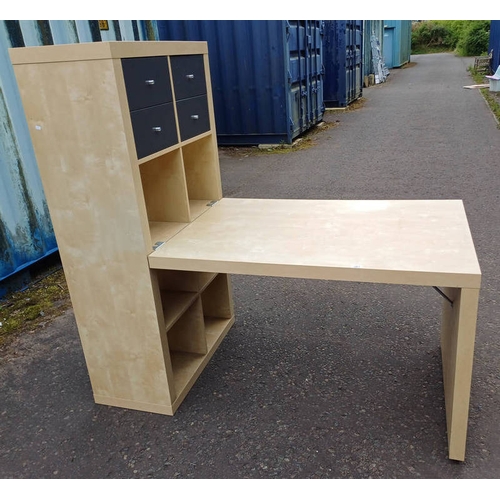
457	350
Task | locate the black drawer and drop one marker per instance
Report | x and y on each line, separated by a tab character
147	81
154	129
193	116
188	75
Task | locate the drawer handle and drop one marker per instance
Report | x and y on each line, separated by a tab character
190	77
195	117
156	129
150	82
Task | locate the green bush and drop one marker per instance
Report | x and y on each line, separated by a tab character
429	33
454	31
475	39
468	38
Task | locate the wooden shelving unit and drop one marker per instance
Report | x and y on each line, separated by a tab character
125	141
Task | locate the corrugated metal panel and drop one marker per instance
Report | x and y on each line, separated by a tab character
266	76
26	233
371	28
303	54
495	44
400	33
342	56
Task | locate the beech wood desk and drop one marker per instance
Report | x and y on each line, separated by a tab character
408	242
125	141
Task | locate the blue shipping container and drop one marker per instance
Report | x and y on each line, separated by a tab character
26	233
342	58
494	44
397	43
267	80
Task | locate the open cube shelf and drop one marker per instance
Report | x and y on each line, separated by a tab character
198	312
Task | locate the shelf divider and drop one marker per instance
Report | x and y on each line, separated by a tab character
175	304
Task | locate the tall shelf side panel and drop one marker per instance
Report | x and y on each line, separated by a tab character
74	115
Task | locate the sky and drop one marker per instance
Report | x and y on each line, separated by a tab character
254	9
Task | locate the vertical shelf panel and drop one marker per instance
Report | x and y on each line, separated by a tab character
87	173
188	333
216	298
201	164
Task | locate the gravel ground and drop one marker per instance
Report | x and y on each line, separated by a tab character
316	379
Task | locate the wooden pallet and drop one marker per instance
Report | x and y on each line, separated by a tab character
482	64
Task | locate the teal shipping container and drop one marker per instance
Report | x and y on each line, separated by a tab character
26	233
397	43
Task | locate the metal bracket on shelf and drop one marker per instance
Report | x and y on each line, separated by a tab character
157	245
212	203
438	290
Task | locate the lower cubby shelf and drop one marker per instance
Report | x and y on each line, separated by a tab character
187	367
198	312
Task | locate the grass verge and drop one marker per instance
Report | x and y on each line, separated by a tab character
31	308
492	98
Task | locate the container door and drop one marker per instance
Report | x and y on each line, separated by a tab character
350	58
389	47
358	62
314	47
354	43
335	60
295	33
304	45
342	58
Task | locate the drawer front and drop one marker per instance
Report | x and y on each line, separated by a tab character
147	81
188	75
193	116
154	129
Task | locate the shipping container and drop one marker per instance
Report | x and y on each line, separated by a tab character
370	28
26	233
267	79
494	45
342	58
397	43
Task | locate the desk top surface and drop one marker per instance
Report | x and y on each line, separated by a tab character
420	242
